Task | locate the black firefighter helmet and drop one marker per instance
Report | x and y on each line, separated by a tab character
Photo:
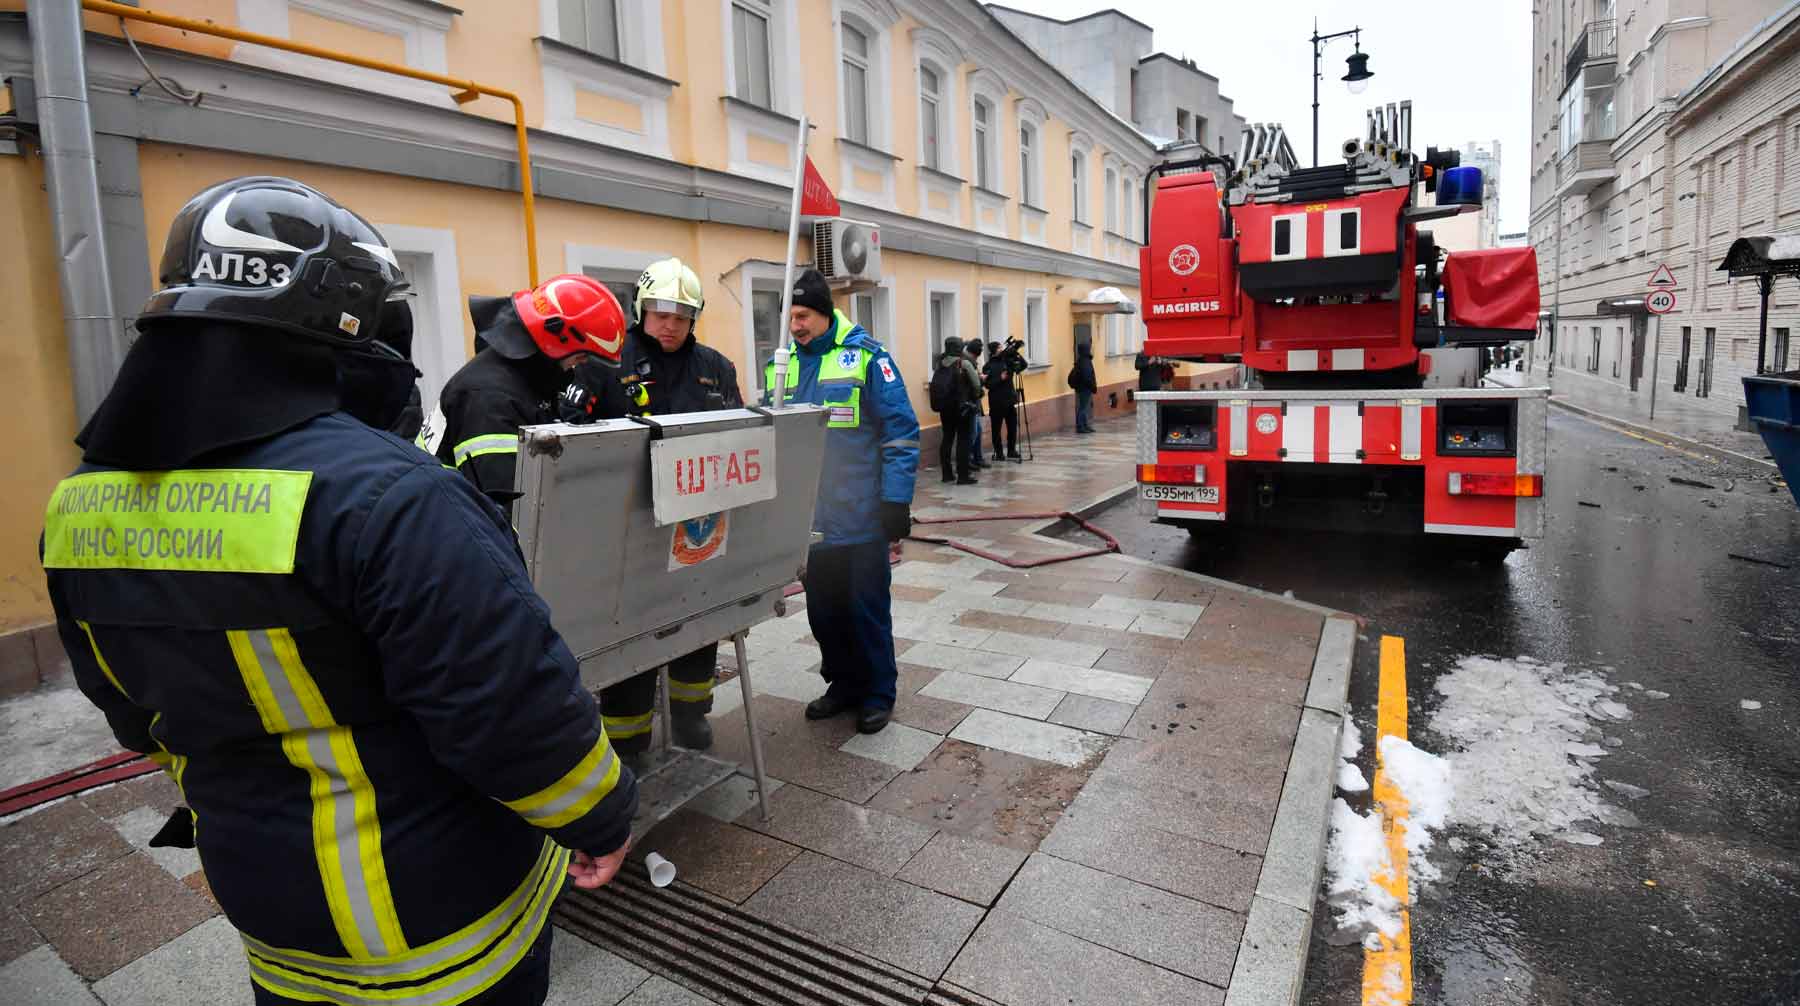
275	253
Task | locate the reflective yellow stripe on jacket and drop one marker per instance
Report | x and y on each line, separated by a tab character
487	443
576	792
460	966
346	830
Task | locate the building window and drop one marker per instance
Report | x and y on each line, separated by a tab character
1681	362
1078	186
1593	360
1703	382
940	312
856	86
873	311
750	48
590	24
1127	206
1037	328
1114	327
1781	350
930	103
984	144
993	316
1111	195
1028	165
1618	348
1184	124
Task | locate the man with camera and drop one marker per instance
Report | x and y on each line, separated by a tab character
1004	363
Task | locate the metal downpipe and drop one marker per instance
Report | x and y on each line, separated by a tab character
66	134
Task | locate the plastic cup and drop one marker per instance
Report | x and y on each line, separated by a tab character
662	872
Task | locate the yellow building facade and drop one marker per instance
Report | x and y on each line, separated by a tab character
1003	193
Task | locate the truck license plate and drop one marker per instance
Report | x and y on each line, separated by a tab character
1182	494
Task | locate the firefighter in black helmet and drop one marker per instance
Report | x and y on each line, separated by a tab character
390	761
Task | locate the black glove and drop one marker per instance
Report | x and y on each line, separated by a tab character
896	520
577	404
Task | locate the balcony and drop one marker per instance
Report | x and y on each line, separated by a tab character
1598	42
1586	166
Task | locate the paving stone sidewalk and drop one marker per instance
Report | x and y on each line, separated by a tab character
1105	782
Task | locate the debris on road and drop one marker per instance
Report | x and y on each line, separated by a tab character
1596	506
1696	483
1758	561
1750	704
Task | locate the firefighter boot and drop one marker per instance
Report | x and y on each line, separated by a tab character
691	730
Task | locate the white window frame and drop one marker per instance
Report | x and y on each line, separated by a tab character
784	31
952	320
1110	183
1031	118
867	62
1113	331
931	117
987	88
752	275
993	295
882	300
421	27
570	71
1081	195
874	19
982	144
439	353
1037	336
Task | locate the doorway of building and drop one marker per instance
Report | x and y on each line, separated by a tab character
1640	327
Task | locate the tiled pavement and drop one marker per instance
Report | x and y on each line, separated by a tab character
1077	801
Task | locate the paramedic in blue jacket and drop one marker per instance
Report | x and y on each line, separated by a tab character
864	502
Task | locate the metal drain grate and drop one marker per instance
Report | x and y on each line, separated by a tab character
716	948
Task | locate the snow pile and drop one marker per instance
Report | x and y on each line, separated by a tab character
1356	859
1528	741
1349	777
1424	779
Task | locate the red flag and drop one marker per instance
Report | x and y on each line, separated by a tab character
816	199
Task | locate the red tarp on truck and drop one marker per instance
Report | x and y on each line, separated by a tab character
1492	288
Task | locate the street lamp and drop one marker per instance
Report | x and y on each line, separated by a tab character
1357	79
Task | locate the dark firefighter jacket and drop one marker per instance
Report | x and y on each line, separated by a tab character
386	747
694	378
475	429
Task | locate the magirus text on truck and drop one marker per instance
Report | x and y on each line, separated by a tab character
1319	282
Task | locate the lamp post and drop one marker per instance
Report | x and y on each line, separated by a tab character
1357	78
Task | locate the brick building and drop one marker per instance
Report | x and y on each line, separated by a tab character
1661	132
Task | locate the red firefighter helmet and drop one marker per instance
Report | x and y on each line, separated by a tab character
571	314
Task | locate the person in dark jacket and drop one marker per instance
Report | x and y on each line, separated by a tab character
1149	370
1082	381
1002	399
864	502
953	425
973	349
550	353
666	370
387	759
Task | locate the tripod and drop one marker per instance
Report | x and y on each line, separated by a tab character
1018	381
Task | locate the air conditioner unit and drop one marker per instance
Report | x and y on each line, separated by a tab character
847	250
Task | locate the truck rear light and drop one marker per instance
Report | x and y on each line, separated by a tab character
1176	474
1469	484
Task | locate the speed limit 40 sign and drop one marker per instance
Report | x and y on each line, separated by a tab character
1660	301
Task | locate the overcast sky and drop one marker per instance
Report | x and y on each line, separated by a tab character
1466	68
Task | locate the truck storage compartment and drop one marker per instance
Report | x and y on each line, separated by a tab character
1327	497
1187	427
1490	298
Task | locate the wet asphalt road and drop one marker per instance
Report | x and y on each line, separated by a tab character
1641	583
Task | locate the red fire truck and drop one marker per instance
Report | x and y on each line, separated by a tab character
1319	283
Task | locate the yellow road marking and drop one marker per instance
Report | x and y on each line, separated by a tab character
1387	969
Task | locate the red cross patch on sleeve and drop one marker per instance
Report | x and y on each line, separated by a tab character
887	370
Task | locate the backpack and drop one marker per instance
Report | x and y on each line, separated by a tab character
946	388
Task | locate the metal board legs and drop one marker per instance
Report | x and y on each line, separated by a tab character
756	751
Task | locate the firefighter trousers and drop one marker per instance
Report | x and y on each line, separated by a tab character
849	606
629	707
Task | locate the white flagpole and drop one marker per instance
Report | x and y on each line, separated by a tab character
783	352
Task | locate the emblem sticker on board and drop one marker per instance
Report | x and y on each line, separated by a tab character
1184	259
1266	423
693	542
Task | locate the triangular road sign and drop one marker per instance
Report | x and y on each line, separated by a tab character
1662	277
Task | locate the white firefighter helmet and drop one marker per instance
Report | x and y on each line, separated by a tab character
669	285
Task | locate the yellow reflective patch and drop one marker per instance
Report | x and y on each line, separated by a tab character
225	520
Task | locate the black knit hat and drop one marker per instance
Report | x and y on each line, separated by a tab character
811	291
